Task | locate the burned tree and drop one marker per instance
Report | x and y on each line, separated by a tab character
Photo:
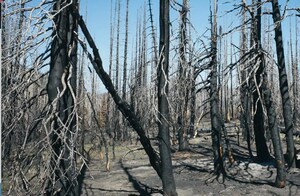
284	86
214	100
163	105
258	120
182	90
61	90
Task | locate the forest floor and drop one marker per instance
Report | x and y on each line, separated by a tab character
131	173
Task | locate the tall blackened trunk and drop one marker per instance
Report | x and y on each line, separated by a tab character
274	130
163	105
295	71
245	94
284	86
214	100
125	55
117	131
258	121
182	90
125	129
61	90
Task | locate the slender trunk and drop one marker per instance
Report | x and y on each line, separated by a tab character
244	90
144	53
274	130
193	87
125	131
182	135
284	86
214	98
295	71
125	55
163	105
117	131
231	81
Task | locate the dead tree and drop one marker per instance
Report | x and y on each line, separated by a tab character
274	129
295	74
284	86
245	94
258	120
163	105
61	90
182	90
124	87
214	98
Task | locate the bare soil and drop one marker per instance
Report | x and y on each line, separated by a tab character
131	173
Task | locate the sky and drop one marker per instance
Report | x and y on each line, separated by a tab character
97	14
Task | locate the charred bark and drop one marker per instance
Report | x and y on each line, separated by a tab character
284	86
182	91
163	105
61	89
216	126
258	121
273	126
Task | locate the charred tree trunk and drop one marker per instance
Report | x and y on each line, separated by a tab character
295	71
284	86
182	92
258	121
61	90
245	94
125	55
273	126
214	101
163	105
125	129
117	131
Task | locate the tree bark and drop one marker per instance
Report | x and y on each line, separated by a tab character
258	121
214	101
284	86
182	90
245	94
163	105
61	89
273	126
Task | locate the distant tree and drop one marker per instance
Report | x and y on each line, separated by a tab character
296	89
125	55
